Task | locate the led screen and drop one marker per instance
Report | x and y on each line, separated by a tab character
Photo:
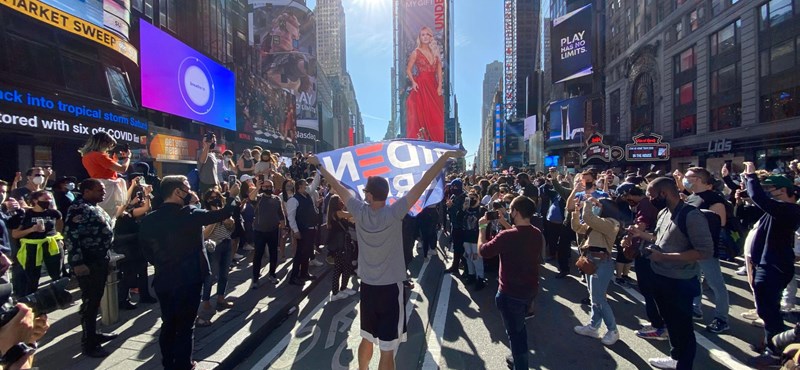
179	80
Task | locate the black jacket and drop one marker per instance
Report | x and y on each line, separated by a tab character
171	238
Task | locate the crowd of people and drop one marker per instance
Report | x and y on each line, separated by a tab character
673	229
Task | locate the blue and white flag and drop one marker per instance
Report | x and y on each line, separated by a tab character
402	162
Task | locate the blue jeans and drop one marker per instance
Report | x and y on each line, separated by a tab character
598	286
713	275
513	312
769	281
220	262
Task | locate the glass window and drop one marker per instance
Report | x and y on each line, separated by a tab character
118	86
725	117
678	31
763	19
724	79
685	61
685	94
685	126
764	60
694	20
84	76
779	11
137	4
148	8
717	6
782	57
779	105
724	39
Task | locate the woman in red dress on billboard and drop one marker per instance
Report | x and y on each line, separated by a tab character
425	105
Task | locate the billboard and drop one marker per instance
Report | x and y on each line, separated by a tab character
571	45
282	36
423	57
185	82
566	120
266	114
112	14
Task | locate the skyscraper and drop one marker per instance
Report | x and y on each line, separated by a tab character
491	79
331	40
521	38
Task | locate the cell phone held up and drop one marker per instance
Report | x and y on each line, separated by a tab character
210	138
492	215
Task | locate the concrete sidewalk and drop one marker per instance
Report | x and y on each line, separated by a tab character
234	333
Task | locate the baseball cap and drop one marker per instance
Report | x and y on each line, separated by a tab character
778	181
378	187
246	177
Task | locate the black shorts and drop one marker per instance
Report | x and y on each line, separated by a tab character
383	315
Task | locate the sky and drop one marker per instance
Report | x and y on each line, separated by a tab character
478	42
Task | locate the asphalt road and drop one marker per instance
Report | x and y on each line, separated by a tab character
452	326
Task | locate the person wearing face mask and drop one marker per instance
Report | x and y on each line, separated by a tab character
88	237
519	249
600	228
699	183
267	225
468	217
36	181
40	241
245	163
302	214
104	166
172	239
673	258
63	193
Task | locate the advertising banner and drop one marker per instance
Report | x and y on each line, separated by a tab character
282	35
647	147
28	111
530	126
571	45
184	82
74	24
117	16
424	57
173	148
566	120
498	129
402	162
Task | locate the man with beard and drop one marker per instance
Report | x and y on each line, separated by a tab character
172	240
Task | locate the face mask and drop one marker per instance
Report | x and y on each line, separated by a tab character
589	184
43	204
686	184
266	191
660	203
596	210
71	186
215	203
38	180
187	198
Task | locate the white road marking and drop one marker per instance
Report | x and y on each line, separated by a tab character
717	353
415	292
433	357
340	316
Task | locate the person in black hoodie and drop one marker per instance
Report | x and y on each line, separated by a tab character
468	219
454	204
773	257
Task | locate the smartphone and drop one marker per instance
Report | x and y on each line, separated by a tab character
232	179
40	223
140	195
492	215
123	148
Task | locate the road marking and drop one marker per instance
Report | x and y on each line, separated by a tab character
415	292
433	356
717	353
340	316
296	330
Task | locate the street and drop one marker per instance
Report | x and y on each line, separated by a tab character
454	327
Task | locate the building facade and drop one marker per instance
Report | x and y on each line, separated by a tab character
492	78
331	37
719	80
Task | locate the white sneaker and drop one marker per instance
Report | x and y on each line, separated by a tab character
248	247
759	322
750	315
611	337
349	292
787	307
588	331
237	257
663	363
338	296
314	263
742	271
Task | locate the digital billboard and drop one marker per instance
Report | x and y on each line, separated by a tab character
566	120
423	58
282	36
571	45
185	82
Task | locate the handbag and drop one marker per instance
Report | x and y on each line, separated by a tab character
586	265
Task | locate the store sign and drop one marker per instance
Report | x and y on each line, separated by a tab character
72	24
647	147
173	148
44	114
596	148
719	146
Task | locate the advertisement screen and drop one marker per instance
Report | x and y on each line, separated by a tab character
185	82
551	161
282	35
571	45
423	58
566	120
90	10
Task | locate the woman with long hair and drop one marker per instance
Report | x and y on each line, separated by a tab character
596	219
104	166
245	163
219	257
340	245
425	102
266	165
38	230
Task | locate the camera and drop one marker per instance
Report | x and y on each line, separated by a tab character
50	298
492	215
122	148
646	249
784	339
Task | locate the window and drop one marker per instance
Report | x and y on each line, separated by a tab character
684	61
678	31
148	8
686	126
780	105
725	79
725	39
725	117
694	19
684	95
775	12
118	85
781	57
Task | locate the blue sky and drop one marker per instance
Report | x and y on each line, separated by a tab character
479	41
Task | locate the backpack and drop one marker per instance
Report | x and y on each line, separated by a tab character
714	225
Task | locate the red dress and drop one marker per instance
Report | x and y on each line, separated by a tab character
425	107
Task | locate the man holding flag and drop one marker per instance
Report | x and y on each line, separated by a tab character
381	265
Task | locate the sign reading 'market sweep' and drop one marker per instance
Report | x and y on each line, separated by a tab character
67	22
